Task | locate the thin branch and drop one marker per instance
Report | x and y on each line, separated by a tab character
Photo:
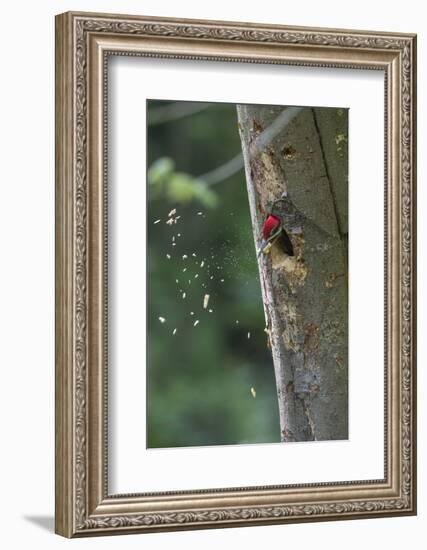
236	163
224	171
175	111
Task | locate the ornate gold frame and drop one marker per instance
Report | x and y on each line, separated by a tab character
83	42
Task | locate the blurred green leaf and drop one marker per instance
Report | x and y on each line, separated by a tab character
205	195
160	170
179	186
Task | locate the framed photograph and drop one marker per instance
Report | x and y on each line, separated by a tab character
235	274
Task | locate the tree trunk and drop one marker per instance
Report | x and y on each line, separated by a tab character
306	295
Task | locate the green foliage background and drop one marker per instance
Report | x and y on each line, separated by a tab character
199	379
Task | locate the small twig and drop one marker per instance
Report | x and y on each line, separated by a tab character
224	171
174	111
236	163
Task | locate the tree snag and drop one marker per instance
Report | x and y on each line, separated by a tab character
300	155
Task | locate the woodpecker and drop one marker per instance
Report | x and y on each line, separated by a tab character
273	231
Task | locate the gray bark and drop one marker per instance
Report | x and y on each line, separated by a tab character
306	295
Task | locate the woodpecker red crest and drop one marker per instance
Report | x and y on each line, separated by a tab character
272	231
271	224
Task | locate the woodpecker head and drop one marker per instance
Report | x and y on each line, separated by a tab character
270	226
270	231
274	231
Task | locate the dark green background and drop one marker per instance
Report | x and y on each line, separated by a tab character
200	379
